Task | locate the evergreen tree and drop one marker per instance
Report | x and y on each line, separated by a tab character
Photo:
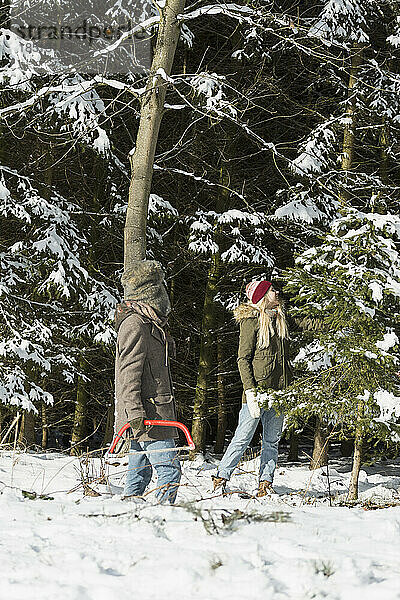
351	284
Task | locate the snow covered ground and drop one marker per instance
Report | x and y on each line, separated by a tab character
295	545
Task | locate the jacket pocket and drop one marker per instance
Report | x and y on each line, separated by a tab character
264	354
161	407
263	367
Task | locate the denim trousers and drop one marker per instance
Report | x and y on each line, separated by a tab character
140	469
271	434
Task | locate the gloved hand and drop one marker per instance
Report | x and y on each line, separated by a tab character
138	427
252	399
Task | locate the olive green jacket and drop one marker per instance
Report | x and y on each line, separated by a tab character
143	384
261	367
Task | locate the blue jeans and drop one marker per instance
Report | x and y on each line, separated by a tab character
140	468
272	429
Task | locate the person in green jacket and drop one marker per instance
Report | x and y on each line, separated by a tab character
263	361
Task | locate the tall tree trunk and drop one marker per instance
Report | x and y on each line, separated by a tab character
320	451
45	426
82	396
206	355
383	145
151	112
221	414
379	205
347	164
208	327
26	435
357	455
349	129
3	413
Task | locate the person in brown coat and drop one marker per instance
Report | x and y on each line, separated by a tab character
143	384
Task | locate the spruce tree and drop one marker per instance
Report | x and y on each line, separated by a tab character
350	283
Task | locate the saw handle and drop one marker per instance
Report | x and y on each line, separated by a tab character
150	422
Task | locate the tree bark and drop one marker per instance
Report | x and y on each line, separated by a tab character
357	455
320	451
26	435
221	414
206	356
45	427
208	327
151	112
3	414
349	129
82	396
383	145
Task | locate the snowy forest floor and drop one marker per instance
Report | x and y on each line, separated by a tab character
294	545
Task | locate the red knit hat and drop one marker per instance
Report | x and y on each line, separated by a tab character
257	290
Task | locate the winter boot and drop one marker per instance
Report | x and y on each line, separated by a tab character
265	489
133	498
218	482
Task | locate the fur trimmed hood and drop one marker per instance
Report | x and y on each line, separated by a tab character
129	307
269	322
245	311
144	284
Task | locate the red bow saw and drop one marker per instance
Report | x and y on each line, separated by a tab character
119	441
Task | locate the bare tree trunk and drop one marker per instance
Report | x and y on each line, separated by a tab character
45	427
151	112
3	414
383	145
349	130
26	435
82	396
206	356
320	451
357	455
208	327
221	423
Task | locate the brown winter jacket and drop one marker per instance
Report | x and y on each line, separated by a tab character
143	384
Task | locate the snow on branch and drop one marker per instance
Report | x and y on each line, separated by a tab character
302	209
158	206
236	11
201	179
83	110
317	150
210	85
342	20
21	62
146	24
72	89
394	39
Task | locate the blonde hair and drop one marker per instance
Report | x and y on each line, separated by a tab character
266	328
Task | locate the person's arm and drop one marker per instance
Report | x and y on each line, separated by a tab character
304	323
247	345
132	350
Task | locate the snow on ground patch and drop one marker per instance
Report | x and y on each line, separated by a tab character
206	547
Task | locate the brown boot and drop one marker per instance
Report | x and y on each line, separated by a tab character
265	489
218	482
